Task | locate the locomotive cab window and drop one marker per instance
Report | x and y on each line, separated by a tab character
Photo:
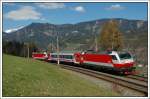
125	56
114	57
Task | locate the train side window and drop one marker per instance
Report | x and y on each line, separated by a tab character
114	57
70	57
67	56
55	56
64	56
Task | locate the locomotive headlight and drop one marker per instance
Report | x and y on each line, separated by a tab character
127	61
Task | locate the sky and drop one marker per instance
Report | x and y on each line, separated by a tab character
16	15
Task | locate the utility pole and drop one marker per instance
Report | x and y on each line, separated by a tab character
27	44
28	50
57	50
112	42
52	46
96	46
24	49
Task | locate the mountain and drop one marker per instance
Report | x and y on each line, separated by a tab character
80	35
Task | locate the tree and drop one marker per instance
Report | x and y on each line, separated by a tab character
110	36
19	49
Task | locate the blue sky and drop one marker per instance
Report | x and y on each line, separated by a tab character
21	14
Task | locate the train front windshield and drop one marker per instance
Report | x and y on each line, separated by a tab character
125	56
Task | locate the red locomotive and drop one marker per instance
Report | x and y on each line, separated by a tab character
120	61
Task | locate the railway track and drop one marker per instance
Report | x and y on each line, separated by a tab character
144	79
131	82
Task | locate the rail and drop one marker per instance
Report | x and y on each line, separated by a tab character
135	84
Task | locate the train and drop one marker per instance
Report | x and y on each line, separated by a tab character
121	62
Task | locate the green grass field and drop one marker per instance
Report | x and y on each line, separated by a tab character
28	77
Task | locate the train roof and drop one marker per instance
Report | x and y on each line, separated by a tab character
65	52
105	52
62	53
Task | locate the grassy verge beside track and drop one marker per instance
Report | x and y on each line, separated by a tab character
28	77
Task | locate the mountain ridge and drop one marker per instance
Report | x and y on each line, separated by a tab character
44	34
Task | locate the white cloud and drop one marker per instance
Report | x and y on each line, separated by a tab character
24	13
51	5
79	9
115	7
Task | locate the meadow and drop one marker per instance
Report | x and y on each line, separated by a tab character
29	77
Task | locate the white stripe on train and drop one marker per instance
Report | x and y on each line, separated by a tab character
99	63
85	62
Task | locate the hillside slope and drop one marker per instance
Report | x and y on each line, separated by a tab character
28	77
76	36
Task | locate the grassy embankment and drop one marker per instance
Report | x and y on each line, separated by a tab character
28	77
